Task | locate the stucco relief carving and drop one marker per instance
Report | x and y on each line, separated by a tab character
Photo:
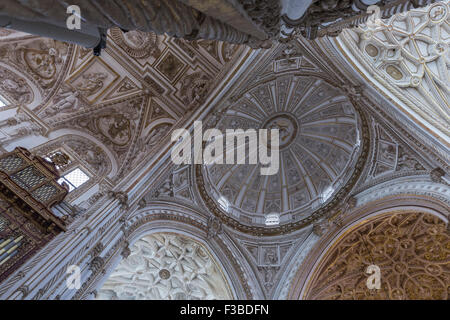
412	250
114	124
93	79
15	120
146	143
77	91
165	189
221	51
391	156
166	266
65	101
14	87
194	88
81	150
92	154
43	60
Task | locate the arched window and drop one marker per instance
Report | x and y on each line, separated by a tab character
71	172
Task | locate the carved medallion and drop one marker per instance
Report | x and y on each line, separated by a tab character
115	128
287	127
41	62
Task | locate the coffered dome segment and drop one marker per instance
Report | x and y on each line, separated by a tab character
320	139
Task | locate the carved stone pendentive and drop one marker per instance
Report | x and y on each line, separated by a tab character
214	227
269	274
412	251
126	251
351	201
390	155
320	228
165	189
436	175
98	248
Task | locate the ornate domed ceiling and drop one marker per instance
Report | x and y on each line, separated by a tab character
319	144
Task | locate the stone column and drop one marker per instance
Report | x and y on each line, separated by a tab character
173	17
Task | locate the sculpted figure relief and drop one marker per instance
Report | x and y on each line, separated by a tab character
14	86
115	127
64	102
92	83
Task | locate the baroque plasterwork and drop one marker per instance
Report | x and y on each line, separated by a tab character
81	152
126	99
43	62
271	258
162	103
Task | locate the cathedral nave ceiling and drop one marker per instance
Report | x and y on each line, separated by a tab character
390	155
112	113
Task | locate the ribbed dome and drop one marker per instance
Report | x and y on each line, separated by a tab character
319	143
